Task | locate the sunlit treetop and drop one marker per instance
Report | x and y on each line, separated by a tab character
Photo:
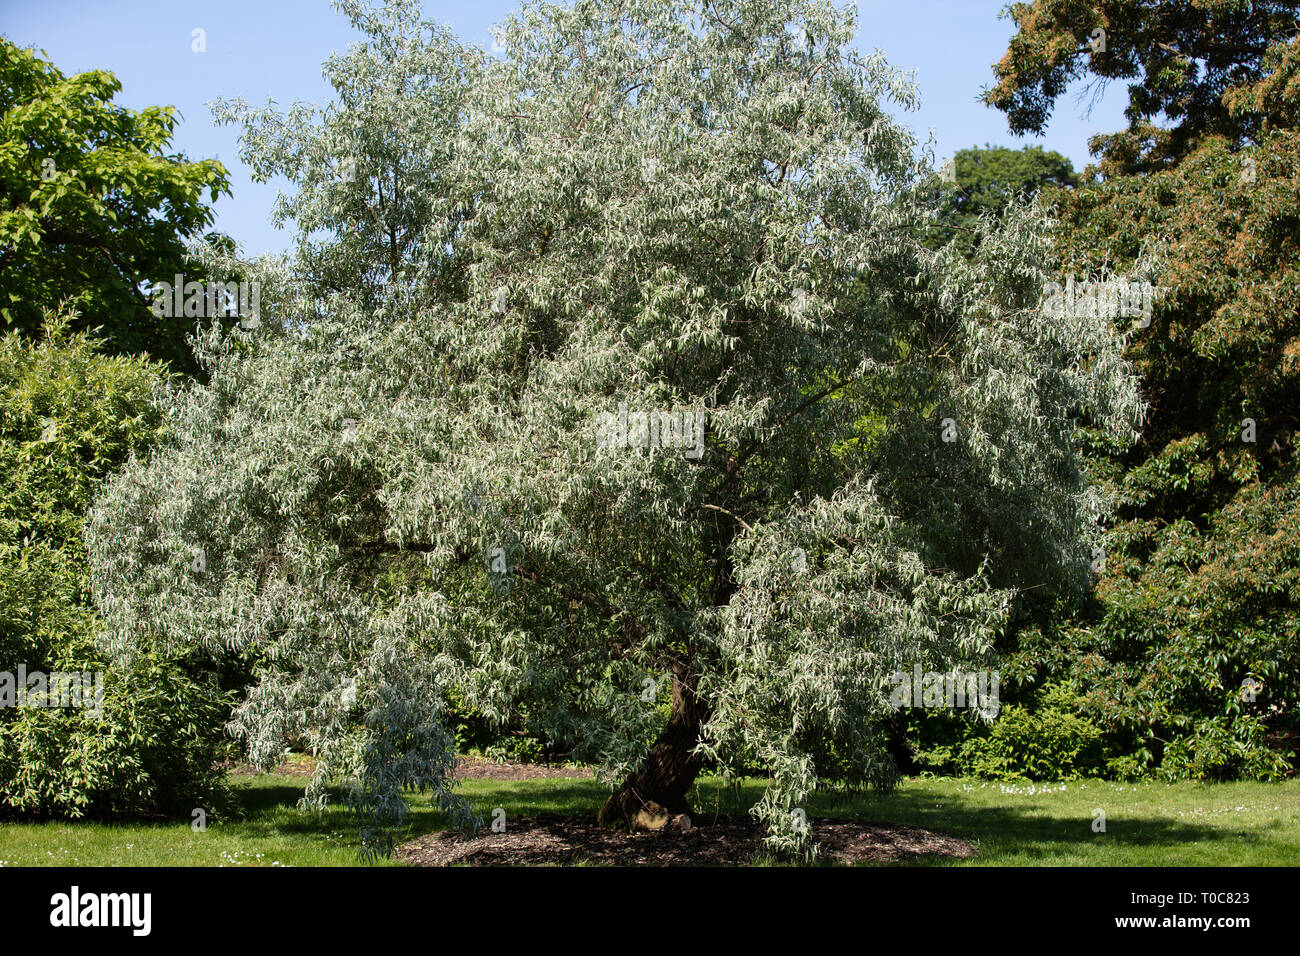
1178	57
93	207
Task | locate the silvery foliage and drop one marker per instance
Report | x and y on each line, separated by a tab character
370	196
286	300
766	271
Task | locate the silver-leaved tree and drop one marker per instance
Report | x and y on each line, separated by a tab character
629	401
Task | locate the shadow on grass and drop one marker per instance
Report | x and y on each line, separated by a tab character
1028	832
255	801
265	804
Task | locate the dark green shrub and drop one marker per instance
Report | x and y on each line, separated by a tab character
1051	741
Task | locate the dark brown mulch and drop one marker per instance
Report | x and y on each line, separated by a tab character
468	768
552	838
476	768
290	768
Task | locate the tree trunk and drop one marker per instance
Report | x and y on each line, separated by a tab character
659	787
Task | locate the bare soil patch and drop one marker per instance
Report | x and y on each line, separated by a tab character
557	839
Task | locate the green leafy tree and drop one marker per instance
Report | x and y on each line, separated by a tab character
696	214
1191	660
68	417
986	181
1183	57
93	210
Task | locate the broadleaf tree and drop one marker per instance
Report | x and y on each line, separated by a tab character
95	209
986	181
692	214
1182	60
1190	659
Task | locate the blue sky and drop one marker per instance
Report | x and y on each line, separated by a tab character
260	48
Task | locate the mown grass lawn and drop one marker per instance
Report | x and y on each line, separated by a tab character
1182	824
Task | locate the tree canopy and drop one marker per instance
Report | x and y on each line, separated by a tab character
1182	56
656	213
93	209
1193	655
988	180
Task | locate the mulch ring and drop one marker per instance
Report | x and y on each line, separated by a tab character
552	838
300	767
477	768
467	768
